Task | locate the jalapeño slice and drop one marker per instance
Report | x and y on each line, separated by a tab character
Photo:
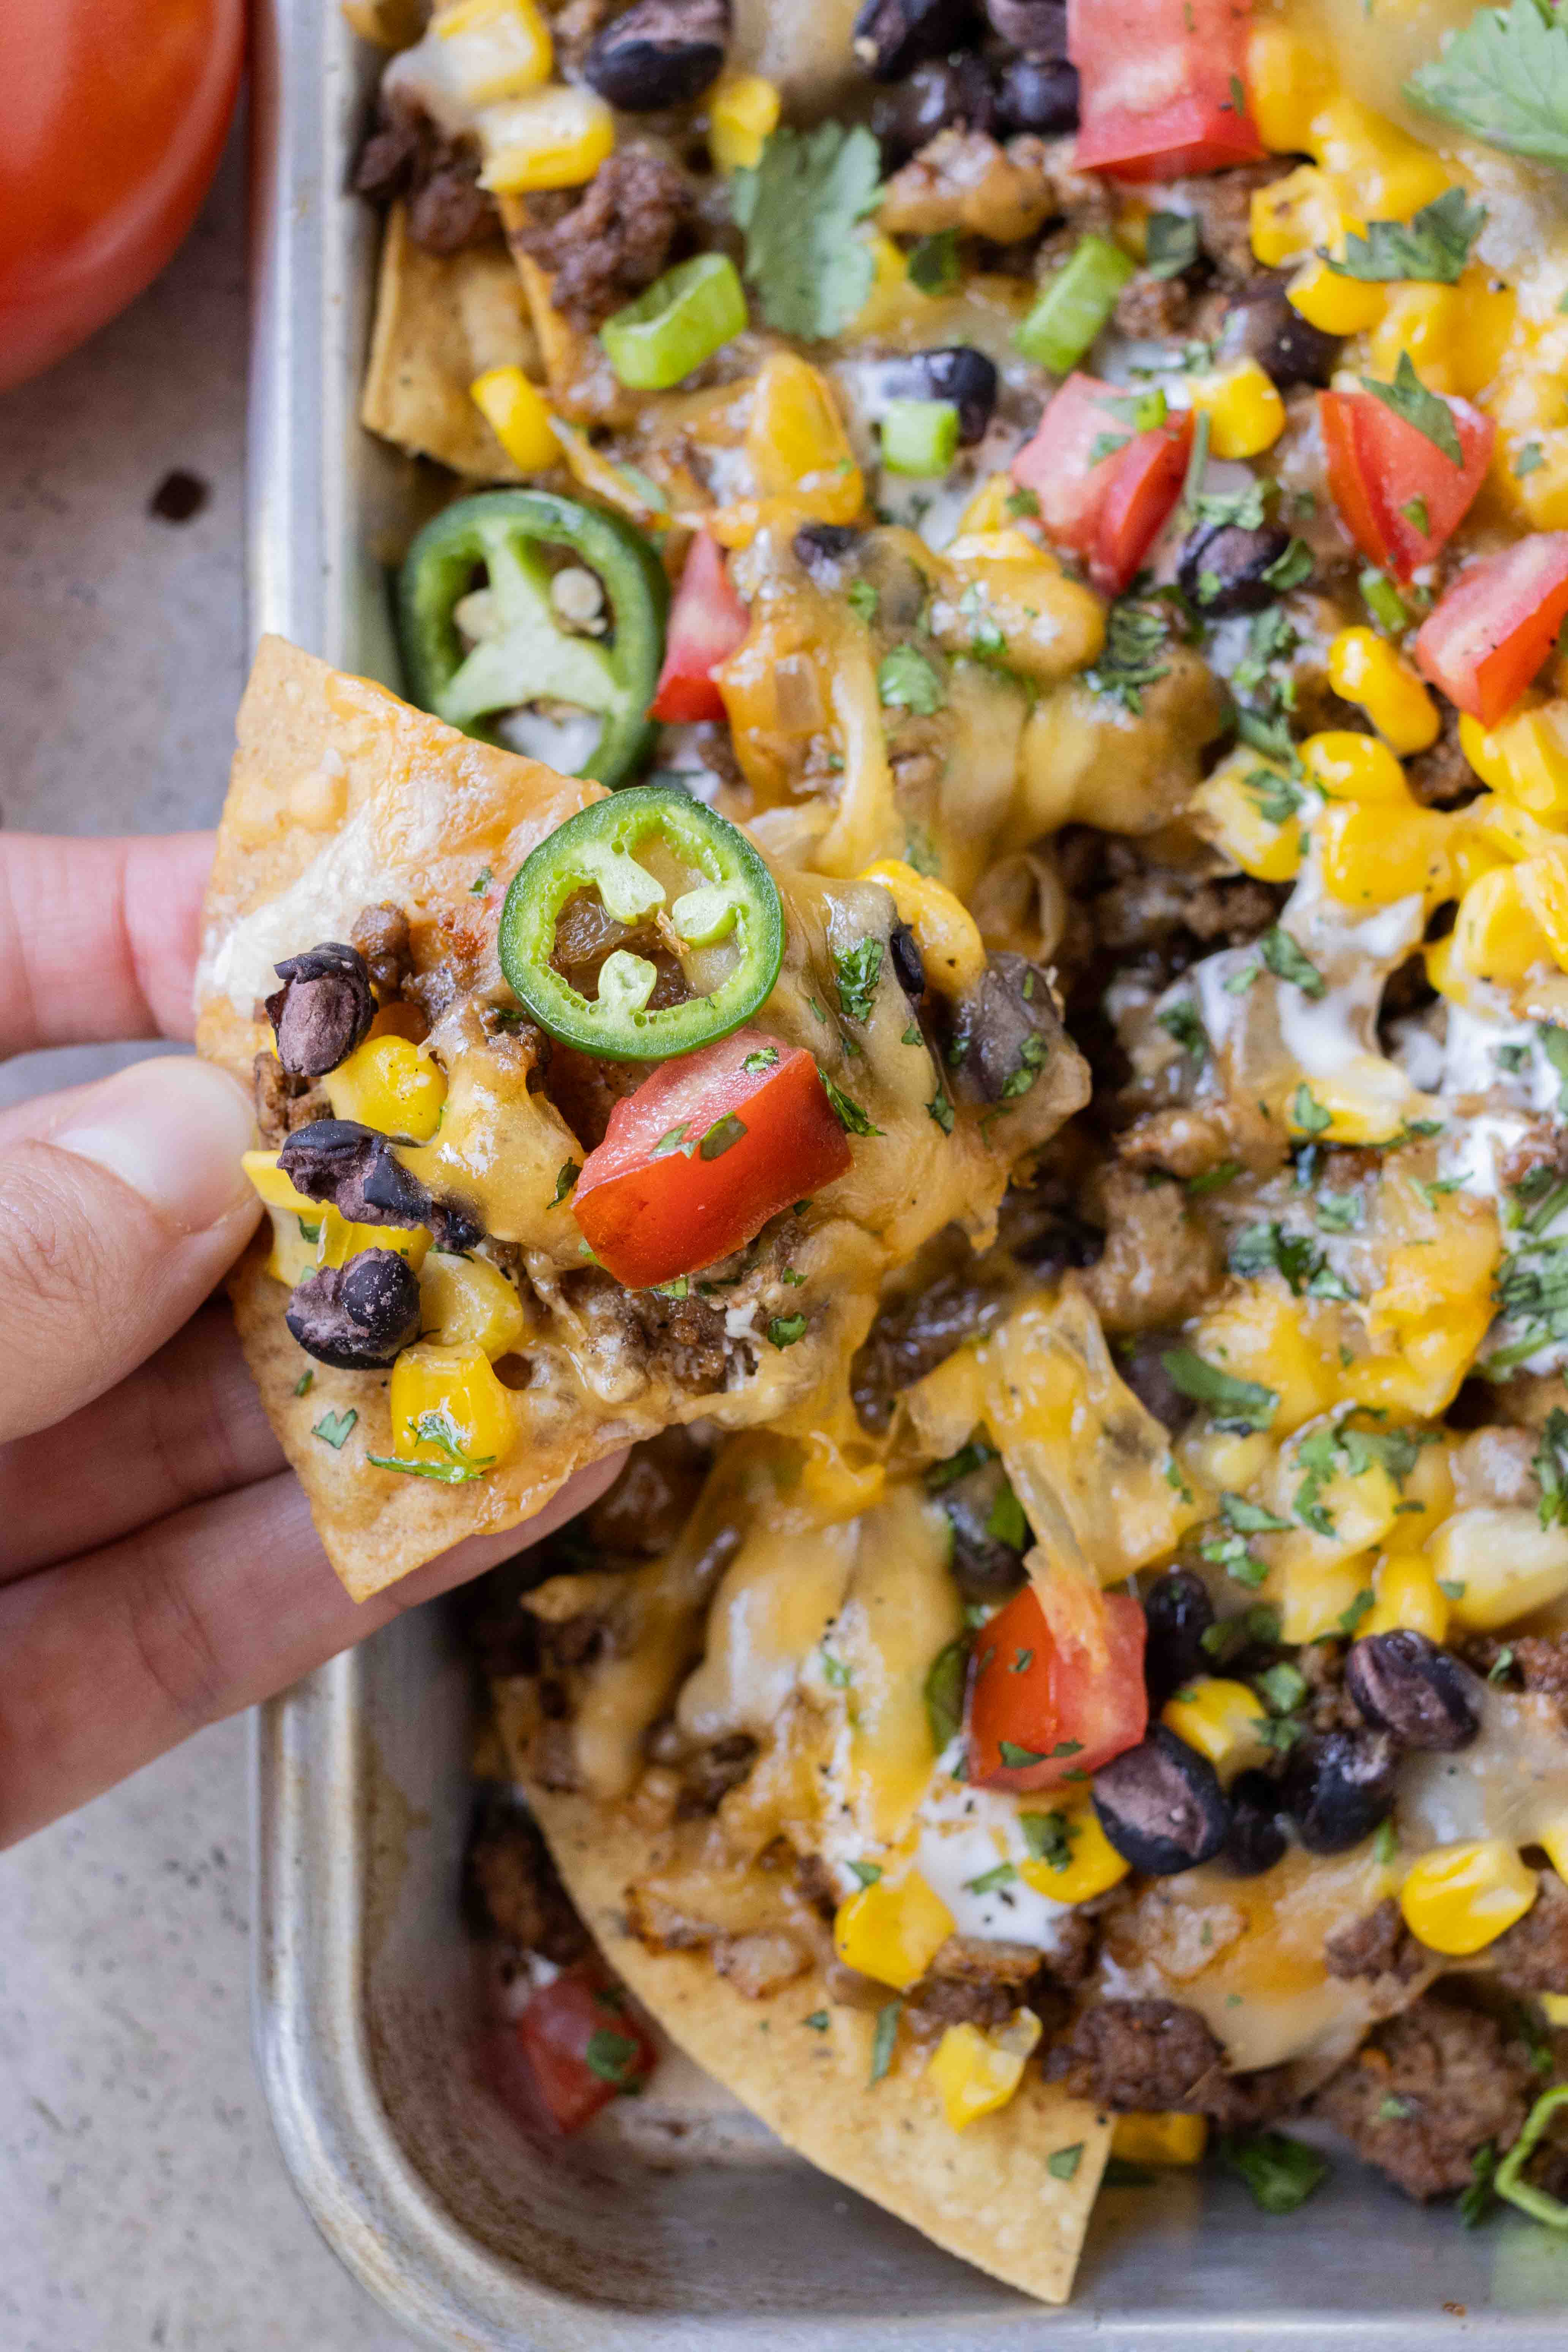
529	655
735	902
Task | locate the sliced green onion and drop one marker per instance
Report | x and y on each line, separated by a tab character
682	319
1506	2180
920	436
1073	307
1384	602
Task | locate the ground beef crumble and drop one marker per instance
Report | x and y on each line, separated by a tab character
518	1895
613	239
1379	1945
1136	2054
1425	2090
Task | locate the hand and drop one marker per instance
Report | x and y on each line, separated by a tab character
158	1567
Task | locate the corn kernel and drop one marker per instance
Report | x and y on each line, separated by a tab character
742	108
388	1084
1373	855
1244	410
987	511
1364	667
555	138
1406	1599
449	1410
1092	1862
493	49
274	1187
1393	174
296	1243
1318	1599
1142	2136
1455	336
1259	1334
1220	1718
468	1302
1339	305
1459	1898
975	2072
1228	809
1495	1563
1496	936
517	414
1289	81
1345	766
1292	216
1555	2007
891	1931
1524	757
946	932
1553	1837
341	1239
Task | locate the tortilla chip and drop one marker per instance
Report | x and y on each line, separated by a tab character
987	2194
440	320
396	805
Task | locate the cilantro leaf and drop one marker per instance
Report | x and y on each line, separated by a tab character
1274	797
1280	2172
1550	1466
906	681
884	2036
1183	1023
1172	244
1432	247
333	1428
943	1692
571	1170
933	264
857	970
1408	398
1136	634
1503	77
851	1118
1235	1405
798	209
1285	960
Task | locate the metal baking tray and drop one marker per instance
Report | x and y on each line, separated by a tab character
681	2224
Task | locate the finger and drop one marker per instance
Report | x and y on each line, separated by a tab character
108	1661
187	1424
98	939
120	1206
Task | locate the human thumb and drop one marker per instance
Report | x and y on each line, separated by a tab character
120	1206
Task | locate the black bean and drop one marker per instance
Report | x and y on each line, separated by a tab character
821	548
323	1009
985	1566
934	96
1141	1364
1261	325
1065	1242
908	964
1405	1685
660	53
891	36
1037	27
1338	1786
1038	94
357	1316
1178	1613
1161	1805
356	1169
1255	1841
1222	566
1001	1036
953	372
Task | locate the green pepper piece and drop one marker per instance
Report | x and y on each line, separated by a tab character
533	656
681	320
1508	2179
736	901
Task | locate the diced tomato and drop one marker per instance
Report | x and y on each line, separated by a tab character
1037	1713
1398	496
1108	510
707	622
704	1153
1143	490
1159	82
1490	633
576	2046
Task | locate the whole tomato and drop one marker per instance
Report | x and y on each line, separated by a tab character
115	117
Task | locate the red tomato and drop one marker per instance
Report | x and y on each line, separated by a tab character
707	622
1108	510
580	2043
116	112
1144	487
1159	82
652	1208
1048	1703
1490	633
1398	496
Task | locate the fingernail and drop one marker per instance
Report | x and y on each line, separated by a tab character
173	1129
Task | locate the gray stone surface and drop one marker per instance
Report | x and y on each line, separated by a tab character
141	2199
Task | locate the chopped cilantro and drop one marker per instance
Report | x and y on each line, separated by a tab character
1003	1874
1182	1022
565	1181
857	969
1063	2162
1529	460
1285	960
939	1108
1432	247
721	1137
614	2057
1307	1113
1280	2172
1172	244
1048	1837
763	1059
818	2020
1409	399
1503	77
884	2036
933	264
907	681
785	1330
1136	634
1006	1519
438	1429
305	1384
1549	1464
851	1118
862	600
333	1428
481	882
943	1692
1234	1403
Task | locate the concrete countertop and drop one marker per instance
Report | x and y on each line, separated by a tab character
145	2203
